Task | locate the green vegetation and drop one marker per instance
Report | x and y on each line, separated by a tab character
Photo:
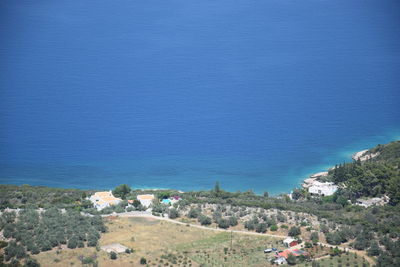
374	178
121	191
26	196
375	230
33	232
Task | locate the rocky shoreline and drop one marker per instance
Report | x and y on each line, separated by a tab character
314	179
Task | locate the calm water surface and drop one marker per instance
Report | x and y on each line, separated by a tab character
180	94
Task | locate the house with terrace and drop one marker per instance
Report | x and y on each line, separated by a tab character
104	199
146	200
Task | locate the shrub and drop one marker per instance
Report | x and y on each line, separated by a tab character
113	255
232	221
173	213
193	213
143	261
204	220
294	231
223	223
261	228
73	242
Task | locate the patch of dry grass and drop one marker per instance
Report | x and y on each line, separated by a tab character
167	244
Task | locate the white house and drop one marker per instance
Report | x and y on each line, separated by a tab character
145	200
323	189
371	202
103	200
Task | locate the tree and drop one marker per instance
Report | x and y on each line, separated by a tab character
261	227
394	190
335	251
9	217
297	194
361	243
294	231
374	250
121	191
216	216
143	261
8	230
193	213
73	242
163	194
14	250
223	223
92	239
173	213
291	259
233	221
274	228
204	220
308	245
217	188
136	203
113	255
314	237
280	217
31	263
266	194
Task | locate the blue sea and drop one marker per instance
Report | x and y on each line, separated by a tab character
180	94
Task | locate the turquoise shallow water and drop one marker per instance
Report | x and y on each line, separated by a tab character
180	94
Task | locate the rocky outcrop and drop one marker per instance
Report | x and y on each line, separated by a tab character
364	155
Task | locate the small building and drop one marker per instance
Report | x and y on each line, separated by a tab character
368	202
104	199
114	247
290	242
323	189
145	200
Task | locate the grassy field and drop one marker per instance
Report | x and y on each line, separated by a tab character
166	244
163	243
350	260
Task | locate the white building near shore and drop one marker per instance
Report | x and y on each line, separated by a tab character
322	189
145	200
103	200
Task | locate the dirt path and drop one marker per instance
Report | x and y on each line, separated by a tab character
197	226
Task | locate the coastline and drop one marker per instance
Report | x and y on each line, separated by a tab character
291	178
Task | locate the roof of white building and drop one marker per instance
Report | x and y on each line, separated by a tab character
289	240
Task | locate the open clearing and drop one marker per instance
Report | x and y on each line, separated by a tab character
163	243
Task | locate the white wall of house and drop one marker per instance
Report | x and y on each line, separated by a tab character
323	189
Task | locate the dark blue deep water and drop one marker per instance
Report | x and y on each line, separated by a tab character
182	93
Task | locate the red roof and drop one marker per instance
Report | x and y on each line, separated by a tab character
295	252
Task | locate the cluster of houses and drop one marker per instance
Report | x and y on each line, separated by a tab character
106	199
281	256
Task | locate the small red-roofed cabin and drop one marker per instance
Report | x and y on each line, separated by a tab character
290	242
